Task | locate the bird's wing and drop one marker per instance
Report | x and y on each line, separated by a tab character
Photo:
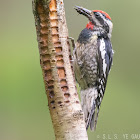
104	59
105	56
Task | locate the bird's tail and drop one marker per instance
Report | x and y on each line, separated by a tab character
88	102
94	119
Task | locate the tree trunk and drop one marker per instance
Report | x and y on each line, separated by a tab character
64	105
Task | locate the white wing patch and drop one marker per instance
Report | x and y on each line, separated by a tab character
103	52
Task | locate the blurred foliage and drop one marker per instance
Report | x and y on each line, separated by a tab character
24	112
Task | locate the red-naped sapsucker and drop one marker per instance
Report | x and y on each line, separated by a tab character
92	60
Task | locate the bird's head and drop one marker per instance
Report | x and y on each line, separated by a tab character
98	20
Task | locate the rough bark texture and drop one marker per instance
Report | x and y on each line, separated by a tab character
64	105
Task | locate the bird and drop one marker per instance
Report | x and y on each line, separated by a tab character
92	61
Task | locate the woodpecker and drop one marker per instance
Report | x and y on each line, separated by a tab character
92	60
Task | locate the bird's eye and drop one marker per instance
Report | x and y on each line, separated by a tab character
96	14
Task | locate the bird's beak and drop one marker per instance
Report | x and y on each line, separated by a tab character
84	11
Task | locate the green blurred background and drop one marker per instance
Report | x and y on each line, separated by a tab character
23	104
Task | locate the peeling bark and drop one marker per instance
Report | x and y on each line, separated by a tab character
64	105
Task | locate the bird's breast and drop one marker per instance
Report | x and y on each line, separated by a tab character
85	63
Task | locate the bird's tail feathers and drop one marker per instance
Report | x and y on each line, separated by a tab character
91	116
94	119
88	101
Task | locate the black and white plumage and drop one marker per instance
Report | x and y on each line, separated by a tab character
92	62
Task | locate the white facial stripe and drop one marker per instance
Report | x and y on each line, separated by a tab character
110	24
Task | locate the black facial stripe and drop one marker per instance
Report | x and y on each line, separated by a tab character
100	19
106	26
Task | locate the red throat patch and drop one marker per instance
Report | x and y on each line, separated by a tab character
107	16
90	26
